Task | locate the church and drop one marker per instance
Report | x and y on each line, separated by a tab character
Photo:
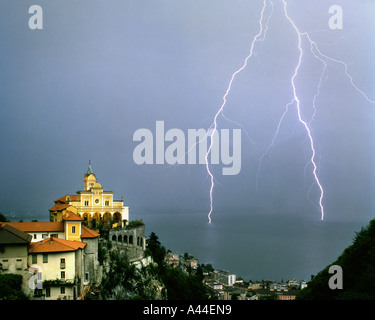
61	257
94	205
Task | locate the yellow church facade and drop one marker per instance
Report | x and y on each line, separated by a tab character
94	205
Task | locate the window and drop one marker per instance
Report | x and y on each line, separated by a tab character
54	235
44	236
62	260
5	265
34	259
19	264
73	229
38	292
62	290
45	258
86	277
62	274
34	235
86	203
107	203
48	292
2	248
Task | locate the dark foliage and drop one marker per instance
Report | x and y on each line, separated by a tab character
179	285
358	267
10	287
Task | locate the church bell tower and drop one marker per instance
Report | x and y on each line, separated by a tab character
89	178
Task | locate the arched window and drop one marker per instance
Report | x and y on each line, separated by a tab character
107	218
119	239
97	217
114	238
130	239
117	216
125	239
86	218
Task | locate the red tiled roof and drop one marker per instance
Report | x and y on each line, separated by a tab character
63	199
74	197
88	233
55	245
59	207
70	216
37	226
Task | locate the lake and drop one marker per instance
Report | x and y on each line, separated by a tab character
255	246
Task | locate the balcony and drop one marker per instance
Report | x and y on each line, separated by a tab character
62	265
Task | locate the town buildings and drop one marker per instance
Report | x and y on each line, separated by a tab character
224	285
64	255
225	277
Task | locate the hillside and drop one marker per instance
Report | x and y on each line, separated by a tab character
358	268
157	281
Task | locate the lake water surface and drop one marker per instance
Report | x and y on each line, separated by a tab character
255	246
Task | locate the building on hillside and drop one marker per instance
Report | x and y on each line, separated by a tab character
255	285
94	205
290	294
71	229
225	277
14	253
61	256
172	259
60	263
191	262
40	230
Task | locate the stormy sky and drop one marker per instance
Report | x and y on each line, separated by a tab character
79	88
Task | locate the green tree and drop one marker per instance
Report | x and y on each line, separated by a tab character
358	266
121	274
157	250
10	287
179	285
199	272
207	268
3	218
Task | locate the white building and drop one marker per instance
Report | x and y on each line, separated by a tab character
225	277
60	267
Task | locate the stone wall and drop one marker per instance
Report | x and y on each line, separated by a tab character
91	260
131	239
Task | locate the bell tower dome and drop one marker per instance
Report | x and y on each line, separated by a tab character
89	178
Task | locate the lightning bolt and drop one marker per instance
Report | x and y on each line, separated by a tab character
214	125
324	59
298	106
